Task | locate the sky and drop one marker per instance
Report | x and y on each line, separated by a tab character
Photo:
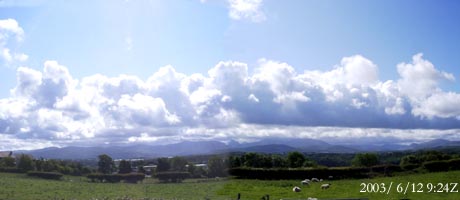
117	72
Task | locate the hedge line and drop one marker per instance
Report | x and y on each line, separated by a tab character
386	169
277	174
443	165
172	176
116	178
45	175
11	170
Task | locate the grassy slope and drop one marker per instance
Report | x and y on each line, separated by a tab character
19	186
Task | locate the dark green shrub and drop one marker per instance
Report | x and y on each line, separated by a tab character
454	164
45	175
436	166
172	176
10	170
113	178
116	178
385	169
282	173
133	177
409	167
96	177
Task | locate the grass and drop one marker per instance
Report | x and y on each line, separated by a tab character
20	186
255	189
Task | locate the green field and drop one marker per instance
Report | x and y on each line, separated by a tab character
19	186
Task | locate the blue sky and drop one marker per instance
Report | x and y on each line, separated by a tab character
192	36
311	41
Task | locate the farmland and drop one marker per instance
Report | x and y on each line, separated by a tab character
20	186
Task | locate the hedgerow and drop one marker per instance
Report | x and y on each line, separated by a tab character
45	175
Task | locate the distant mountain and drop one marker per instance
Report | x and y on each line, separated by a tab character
130	151
381	147
435	144
269	148
293	142
271	145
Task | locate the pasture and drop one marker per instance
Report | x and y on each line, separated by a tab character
19	186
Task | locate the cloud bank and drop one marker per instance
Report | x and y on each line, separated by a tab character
229	102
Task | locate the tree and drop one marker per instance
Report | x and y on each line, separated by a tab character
163	164
409	160
124	167
216	167
178	163
365	160
295	159
25	163
278	161
234	161
191	169
105	164
252	160
309	163
266	161
7	162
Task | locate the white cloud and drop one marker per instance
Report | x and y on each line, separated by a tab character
246	9
228	103
444	105
420	78
10	28
253	98
334	135
144	110
359	70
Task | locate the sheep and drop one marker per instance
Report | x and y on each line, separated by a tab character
311	198
331	177
320	180
325	186
296	189
305	182
314	180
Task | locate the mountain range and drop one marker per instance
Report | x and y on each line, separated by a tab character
272	145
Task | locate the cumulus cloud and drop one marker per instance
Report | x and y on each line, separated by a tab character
10	26
443	105
246	9
420	78
419	83
10	30
229	102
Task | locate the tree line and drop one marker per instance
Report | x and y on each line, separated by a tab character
24	163
173	169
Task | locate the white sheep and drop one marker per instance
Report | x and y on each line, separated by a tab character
331	177
314	180
320	180
296	189
325	186
305	182
311	198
